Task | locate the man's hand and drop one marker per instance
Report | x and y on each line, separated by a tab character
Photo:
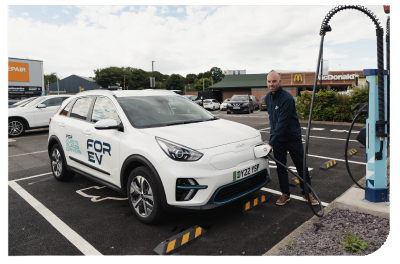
269	145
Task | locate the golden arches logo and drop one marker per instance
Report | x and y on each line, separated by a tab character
298	78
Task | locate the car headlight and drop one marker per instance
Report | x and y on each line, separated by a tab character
178	152
245	104
229	105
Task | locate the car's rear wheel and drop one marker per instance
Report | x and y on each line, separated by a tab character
143	195
59	166
16	127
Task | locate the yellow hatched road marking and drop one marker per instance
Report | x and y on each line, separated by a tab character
327	165
334	162
263	198
171	245
255	201
247	206
198	232
330	163
185	238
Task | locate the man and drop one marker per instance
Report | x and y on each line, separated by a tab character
285	135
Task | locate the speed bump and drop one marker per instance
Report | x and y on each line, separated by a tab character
254	202
352	152
294	181
179	240
329	164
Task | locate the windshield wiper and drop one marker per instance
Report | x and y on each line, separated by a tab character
191	121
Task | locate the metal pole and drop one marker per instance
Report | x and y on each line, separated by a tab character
58	90
203	84
152	75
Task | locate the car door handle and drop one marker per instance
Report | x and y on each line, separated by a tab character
86	132
62	124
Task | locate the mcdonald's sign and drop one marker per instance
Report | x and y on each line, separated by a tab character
298	78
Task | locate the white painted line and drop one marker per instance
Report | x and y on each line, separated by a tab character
11	140
333	138
321	157
39	175
264	129
94	198
291	196
346	131
28	153
314	128
59	225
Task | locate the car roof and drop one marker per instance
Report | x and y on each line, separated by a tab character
127	93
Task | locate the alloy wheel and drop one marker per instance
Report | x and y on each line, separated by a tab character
56	162
142	196
15	128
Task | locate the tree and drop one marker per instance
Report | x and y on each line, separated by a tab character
109	76
175	82
52	77
190	78
199	85
216	74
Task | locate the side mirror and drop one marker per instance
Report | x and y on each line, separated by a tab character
41	106
106	124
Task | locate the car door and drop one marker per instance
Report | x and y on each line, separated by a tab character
76	137
103	146
42	115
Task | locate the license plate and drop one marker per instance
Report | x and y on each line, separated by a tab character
205	104
240	174
235	107
264	105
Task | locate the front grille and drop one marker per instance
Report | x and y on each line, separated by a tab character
235	190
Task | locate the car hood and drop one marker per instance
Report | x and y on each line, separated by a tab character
204	135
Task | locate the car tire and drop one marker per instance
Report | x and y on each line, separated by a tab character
250	111
144	195
228	112
59	166
16	127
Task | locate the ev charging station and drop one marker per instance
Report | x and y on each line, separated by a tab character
376	189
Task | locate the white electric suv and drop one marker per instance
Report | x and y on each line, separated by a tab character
154	147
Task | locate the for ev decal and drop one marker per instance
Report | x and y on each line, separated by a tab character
98	149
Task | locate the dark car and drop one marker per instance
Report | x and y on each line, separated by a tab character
241	103
263	103
194	98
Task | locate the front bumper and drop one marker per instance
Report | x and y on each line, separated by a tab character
222	187
240	110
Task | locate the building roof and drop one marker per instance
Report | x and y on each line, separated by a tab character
242	81
86	78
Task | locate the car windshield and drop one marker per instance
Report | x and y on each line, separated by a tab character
191	97
226	100
24	102
207	101
239	98
35	101
166	110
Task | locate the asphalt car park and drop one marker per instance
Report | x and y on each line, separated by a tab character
47	217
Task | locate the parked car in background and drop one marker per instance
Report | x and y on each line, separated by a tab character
255	102
240	103
224	104
22	102
263	103
211	104
35	114
194	98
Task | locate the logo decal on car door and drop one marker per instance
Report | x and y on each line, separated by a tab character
100	148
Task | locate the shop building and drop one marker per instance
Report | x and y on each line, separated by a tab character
293	82
72	85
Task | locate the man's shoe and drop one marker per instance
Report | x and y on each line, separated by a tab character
283	199
312	199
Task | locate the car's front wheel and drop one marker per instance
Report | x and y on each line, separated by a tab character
16	127
59	166
143	195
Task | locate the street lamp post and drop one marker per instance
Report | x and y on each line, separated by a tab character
152	74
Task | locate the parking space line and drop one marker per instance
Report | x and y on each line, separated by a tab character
80	243
350	161
28	153
291	196
32	176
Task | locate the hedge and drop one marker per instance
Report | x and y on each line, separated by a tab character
331	106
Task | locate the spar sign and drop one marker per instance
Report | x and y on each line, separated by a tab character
18	72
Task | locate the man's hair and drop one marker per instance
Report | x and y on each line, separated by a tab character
276	73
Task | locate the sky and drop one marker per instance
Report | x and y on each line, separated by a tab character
183	39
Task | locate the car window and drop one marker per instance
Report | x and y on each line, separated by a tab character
56	101
35	101
81	108
104	109
67	108
156	111
207	101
